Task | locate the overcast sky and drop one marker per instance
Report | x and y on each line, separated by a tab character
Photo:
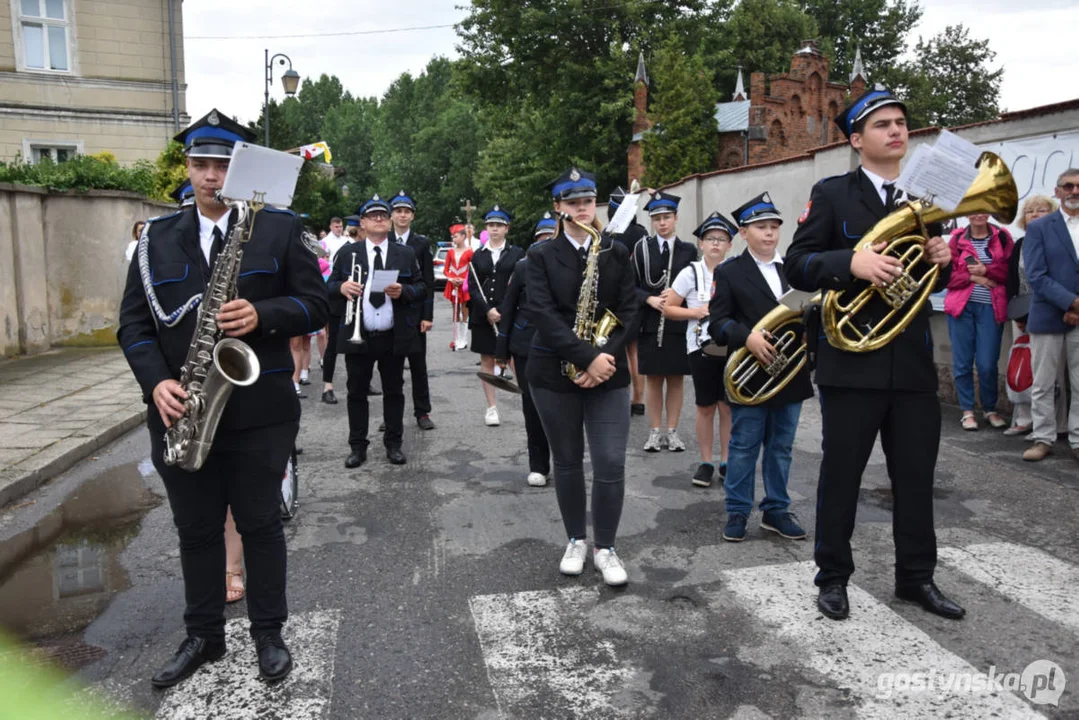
1035	43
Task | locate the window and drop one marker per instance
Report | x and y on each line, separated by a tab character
45	28
57	152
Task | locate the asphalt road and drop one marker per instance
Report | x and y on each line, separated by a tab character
432	590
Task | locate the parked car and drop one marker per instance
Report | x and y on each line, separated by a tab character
439	266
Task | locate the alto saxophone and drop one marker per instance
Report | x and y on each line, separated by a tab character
585	326
215	364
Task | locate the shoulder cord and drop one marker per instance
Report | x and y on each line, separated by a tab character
646	273
167	319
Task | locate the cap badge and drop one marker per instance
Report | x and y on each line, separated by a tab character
213	119
574	175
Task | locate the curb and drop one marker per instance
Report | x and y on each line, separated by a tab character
22	484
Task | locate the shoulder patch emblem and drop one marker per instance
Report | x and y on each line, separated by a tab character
805	213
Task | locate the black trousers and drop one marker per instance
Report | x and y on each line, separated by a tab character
244	472
539	451
421	389
391	368
329	361
909	426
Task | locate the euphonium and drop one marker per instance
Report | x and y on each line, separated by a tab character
215	364
585	326
751	382
866	318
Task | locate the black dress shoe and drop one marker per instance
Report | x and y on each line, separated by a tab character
636	409
329	398
275	661
193	652
372	390
382	426
396	456
832	601
425	423
929	596
355	459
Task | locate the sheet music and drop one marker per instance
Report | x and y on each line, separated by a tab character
625	214
964	150
939	174
261	174
381	278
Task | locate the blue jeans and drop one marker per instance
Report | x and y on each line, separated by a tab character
975	337
752	427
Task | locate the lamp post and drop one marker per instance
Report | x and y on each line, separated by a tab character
290	79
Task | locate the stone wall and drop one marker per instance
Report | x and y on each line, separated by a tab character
62	266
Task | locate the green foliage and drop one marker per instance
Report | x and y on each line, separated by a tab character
879	26
318	196
683	140
82	173
761	35
950	81
170	169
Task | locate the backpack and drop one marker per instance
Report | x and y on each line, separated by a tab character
1020	373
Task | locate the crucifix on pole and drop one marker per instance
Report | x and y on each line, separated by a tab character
467	208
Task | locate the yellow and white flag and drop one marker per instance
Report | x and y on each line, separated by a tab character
312	151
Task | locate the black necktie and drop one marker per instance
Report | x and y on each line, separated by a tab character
889	197
401	240
582	253
215	246
377	299
665	256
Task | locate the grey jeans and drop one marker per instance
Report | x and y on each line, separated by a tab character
1047	352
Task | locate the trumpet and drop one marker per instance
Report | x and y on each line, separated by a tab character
354	308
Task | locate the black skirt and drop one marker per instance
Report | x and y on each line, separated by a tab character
483	339
671	359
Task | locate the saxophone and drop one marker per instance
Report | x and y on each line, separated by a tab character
215	364
585	326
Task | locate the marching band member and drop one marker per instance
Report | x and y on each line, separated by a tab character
748	288
596	402
661	345
280	294
633	233
403	210
515	331
389	322
492	266
341	234
891	391
695	286
455	269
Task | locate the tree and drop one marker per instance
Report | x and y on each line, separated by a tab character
950	81
348	129
761	35
683	138
879	27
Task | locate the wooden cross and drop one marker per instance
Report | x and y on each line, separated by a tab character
468	208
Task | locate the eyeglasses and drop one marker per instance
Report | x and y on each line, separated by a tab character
1068	187
715	240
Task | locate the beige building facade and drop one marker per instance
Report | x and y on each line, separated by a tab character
86	76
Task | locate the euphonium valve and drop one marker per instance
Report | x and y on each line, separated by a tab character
751	382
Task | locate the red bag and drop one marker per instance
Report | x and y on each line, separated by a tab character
1020	373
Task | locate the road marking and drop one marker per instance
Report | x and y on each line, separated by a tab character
229	689
863	655
1035	579
538	658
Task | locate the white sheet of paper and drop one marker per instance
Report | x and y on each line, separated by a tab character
952	144
380	279
625	214
931	172
261	174
796	299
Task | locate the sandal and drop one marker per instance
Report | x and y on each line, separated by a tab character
968	421
995	420
234	587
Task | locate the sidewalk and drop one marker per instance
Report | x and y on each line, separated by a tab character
58	408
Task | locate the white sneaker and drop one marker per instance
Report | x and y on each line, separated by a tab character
537	479
654	441
573	559
608	563
674	443
491	417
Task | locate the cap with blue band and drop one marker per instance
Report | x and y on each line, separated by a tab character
498	215
758	209
865	104
662	203
213	135
403	200
572	184
716	221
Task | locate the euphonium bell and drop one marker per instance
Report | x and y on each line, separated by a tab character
749	381
866	318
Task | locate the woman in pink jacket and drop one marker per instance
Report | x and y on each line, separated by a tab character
976	305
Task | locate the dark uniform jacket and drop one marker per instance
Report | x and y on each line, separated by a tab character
554	277
492	279
407	309
684	254
421	247
515	329
741	299
278	275
842	209
634	232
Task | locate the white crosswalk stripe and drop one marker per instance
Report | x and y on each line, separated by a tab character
230	689
1035	579
534	656
864	654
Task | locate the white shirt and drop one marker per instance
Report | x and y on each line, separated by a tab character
334	243
770	270
577	246
1072	223
697	294
662	241
206	232
130	251
496	252
404	238
878	183
375	319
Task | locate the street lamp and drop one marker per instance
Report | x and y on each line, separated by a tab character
290	79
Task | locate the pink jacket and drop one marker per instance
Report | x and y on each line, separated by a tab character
960	285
